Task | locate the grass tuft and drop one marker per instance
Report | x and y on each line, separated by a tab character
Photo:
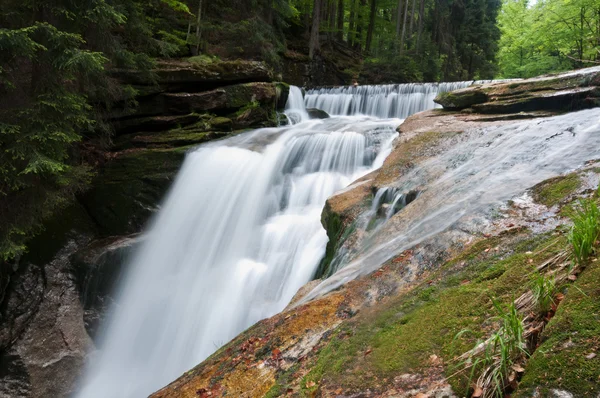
585	231
544	289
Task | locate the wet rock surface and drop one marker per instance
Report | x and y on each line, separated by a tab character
392	332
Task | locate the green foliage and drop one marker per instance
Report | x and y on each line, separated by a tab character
585	232
54	91
548	36
544	290
499	353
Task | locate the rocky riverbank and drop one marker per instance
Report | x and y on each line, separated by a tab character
401	327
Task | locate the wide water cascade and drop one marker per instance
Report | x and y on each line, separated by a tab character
487	166
237	236
391	100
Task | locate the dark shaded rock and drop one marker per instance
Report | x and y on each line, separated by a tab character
315	113
223	99
176	75
177	103
127	191
97	269
283	92
154	123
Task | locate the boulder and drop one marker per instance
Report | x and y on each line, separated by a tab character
315	113
564	92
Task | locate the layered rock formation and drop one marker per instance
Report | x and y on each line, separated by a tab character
56	295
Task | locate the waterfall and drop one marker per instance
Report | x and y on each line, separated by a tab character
237	236
391	100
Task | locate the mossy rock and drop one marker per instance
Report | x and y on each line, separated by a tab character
461	99
553	191
241	95
569	357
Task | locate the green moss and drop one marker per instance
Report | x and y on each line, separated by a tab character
553	191
560	362
337	233
461	99
401	335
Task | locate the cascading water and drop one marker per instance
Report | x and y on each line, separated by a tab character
391	100
489	166
238	235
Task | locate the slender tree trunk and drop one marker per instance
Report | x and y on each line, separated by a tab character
399	19
307	17
332	16
340	21
198	31
270	13
313	45
412	19
352	24
403	27
359	25
420	27
371	25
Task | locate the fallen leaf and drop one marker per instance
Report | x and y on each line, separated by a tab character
487	250
572	277
518	368
478	392
421	395
368	351
591	355
310	384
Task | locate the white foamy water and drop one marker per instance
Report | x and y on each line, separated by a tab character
390	100
237	236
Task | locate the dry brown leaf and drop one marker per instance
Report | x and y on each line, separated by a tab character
572	278
310	384
477	393
518	368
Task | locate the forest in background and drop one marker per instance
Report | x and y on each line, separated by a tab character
56	58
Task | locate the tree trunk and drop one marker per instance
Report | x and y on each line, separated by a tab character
352	24
371	24
313	45
399	19
359	26
340	20
198	31
403	27
412	18
420	27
